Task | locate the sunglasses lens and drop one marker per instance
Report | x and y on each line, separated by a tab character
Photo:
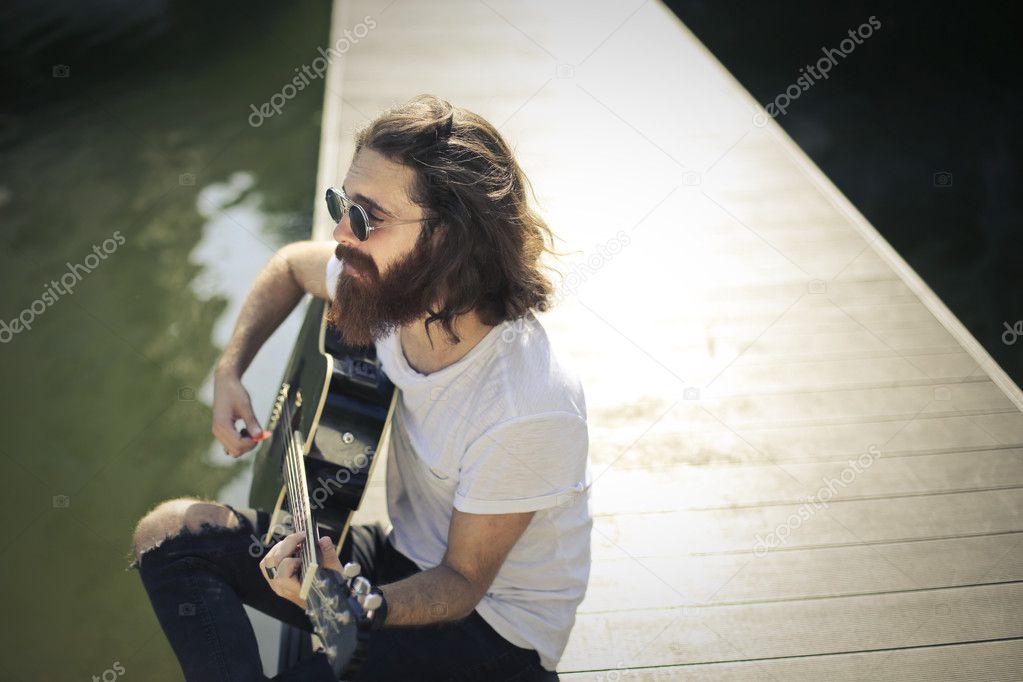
334	205
358	218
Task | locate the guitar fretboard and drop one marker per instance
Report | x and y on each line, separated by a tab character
298	499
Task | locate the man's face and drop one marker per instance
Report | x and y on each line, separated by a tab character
375	299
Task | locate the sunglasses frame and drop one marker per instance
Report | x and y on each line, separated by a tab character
345	205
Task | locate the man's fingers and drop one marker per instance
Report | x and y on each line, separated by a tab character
238	443
252	427
283	549
225	432
287	568
222	435
231	403
329	559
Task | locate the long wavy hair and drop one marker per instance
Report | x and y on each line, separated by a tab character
488	240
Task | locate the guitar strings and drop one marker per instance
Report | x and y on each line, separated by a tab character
299	516
296	488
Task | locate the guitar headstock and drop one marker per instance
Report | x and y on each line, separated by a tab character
338	605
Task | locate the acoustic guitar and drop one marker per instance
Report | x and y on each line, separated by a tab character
330	418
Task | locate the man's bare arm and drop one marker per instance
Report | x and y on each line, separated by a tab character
478	544
293	271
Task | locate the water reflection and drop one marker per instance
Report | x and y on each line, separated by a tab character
107	401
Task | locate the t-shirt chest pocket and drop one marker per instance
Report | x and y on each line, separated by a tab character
441	482
437	474
434	460
434	468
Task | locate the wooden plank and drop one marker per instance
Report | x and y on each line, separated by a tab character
683	433
971	662
831	344
680	487
799	322
723	363
763	294
680	430
332	128
675	636
654	583
812	524
700	358
823	375
825	343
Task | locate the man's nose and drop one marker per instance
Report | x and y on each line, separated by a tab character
343	232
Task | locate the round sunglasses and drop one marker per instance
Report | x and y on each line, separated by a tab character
338	203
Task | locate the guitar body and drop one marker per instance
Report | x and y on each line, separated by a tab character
342	403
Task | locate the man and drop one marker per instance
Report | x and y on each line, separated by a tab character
436	262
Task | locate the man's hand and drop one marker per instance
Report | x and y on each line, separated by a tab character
283	557
293	270
231	402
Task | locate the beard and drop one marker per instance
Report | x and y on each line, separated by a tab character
368	306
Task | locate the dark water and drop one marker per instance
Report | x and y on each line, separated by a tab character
137	203
921	126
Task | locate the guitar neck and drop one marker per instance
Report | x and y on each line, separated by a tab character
301	511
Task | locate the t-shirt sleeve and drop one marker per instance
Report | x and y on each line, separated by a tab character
333	272
528	464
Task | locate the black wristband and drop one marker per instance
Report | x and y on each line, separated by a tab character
379	613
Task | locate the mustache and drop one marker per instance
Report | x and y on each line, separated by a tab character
359	261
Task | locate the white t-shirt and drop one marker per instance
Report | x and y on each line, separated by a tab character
501	430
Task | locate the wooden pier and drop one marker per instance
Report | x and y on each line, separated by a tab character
805	467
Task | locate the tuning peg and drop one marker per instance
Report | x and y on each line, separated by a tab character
372	601
351	569
361	586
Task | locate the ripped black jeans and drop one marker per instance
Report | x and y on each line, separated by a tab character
197	584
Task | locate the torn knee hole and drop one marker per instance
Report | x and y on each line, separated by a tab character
206	528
